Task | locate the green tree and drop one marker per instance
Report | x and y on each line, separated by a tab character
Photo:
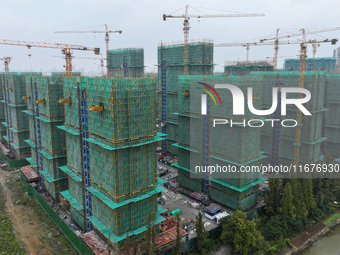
308	196
149	247
273	196
287	202
204	245
242	234
178	235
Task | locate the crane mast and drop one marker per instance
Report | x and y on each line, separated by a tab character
186	28
66	49
6	60
314	45
107	38
276	49
248	44
303	57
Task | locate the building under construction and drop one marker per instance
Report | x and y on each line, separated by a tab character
14	128
170	67
312	64
278	142
127	62
221	145
47	142
111	160
332	120
245	67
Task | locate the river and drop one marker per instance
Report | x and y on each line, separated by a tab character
329	244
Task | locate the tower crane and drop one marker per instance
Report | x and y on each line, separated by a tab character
314	44
276	43
303	56
101	60
107	37
6	60
65	49
186	27
248	44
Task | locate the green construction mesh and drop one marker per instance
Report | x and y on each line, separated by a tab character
51	167
124	173
50	89
125	218
78	218
19	139
19	118
70	92
73	151
231	201
332	133
191	184
170	63
2	110
171	148
127	62
246	69
54	188
76	189
172	130
313	81
129	107
332	148
312	64
15	84
52	138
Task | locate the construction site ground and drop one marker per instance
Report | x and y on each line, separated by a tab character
31	226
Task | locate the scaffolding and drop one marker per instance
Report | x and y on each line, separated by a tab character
311	130
170	67
2	111
128	62
332	121
312	64
46	141
111	159
15	122
201	144
244	68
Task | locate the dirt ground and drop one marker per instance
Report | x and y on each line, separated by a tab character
31	226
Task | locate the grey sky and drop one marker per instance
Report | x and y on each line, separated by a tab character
142	25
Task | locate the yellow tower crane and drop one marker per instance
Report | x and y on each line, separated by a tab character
66	49
248	44
314	43
303	56
186	26
6	60
107	37
93	58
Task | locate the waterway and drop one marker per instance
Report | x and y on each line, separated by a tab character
329	244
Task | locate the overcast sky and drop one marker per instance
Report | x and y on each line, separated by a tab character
143	26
